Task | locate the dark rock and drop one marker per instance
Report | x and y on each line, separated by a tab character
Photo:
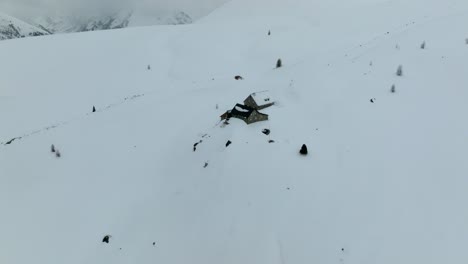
106	239
303	150
196	144
372	100
266	131
11	141
271	141
238	77
228	143
94	109
206	165
52	148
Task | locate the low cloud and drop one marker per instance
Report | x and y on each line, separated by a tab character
32	8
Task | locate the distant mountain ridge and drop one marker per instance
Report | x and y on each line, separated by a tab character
11	28
122	19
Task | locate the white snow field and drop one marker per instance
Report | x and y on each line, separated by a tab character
384	182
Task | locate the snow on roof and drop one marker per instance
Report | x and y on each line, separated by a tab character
240	109
262	98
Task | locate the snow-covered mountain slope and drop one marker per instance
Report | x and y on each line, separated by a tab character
384	181
11	28
122	19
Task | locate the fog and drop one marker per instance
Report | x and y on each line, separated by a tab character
32	8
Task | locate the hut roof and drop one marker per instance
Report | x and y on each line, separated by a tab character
261	98
242	110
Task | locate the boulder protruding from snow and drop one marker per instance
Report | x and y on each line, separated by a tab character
303	150
106	239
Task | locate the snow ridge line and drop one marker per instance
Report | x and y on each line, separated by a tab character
63	123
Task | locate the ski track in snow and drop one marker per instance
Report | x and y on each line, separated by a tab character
64	123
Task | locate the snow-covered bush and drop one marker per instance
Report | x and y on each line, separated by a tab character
399	71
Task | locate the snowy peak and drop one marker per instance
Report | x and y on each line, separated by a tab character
64	24
123	19
11	28
180	18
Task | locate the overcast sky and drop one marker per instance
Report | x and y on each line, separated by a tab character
29	8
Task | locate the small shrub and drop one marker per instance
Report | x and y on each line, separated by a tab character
149	67
52	148
57	153
393	89
94	109
269	32
399	71
279	63
423	45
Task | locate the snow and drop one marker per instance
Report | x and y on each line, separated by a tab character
384	182
111	20
261	98
12	27
240	109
